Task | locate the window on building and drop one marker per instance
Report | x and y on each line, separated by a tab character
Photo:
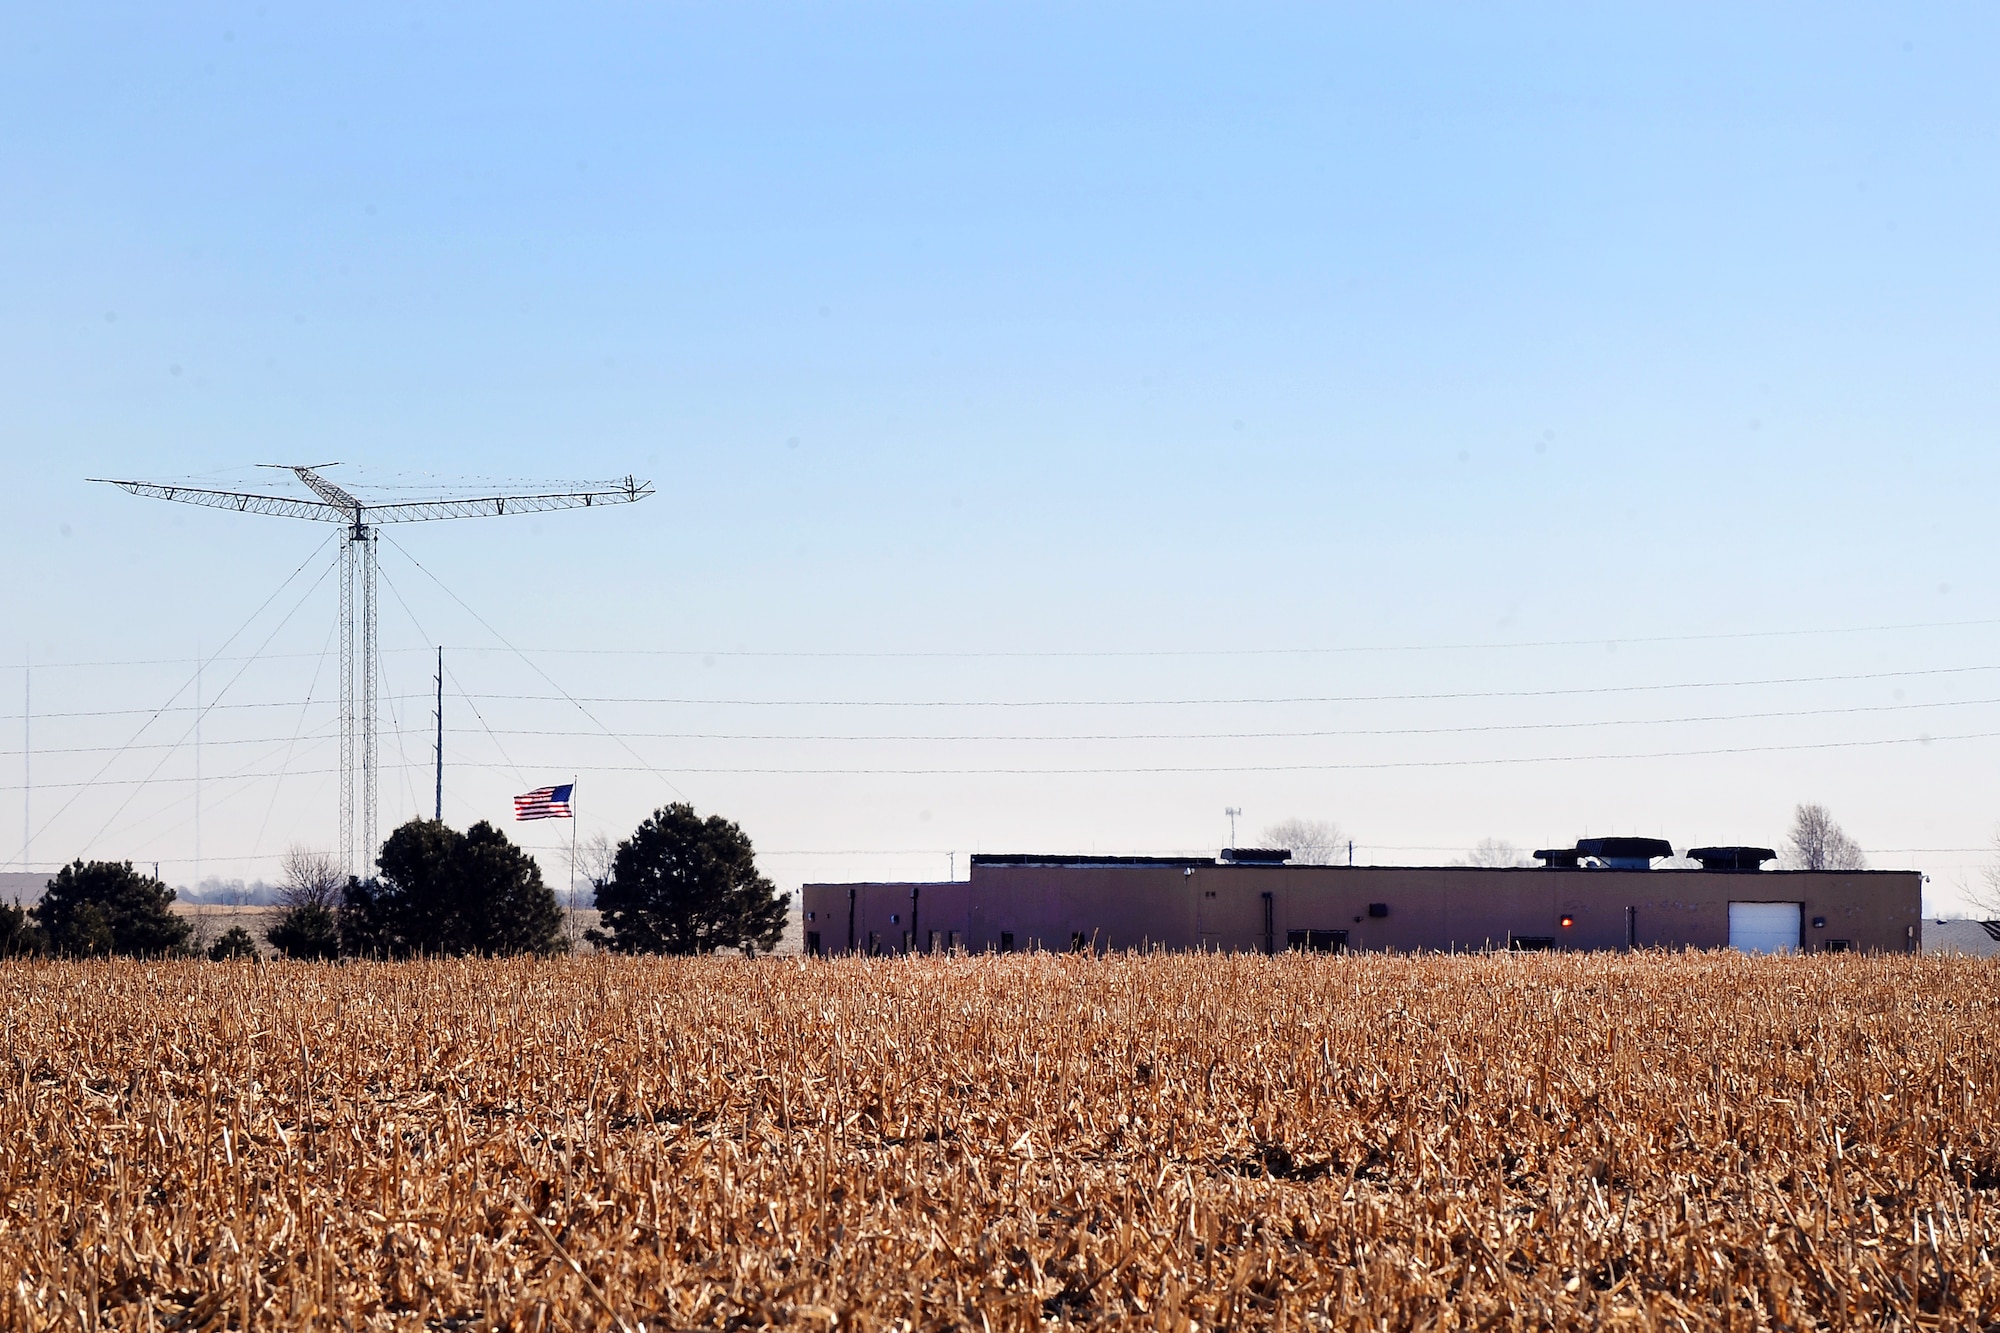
1316	941
1531	943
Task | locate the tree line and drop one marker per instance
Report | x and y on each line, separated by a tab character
681	884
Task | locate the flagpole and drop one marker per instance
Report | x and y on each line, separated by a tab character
572	846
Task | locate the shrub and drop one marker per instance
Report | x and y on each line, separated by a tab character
234	943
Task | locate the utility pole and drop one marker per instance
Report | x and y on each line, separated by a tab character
439	816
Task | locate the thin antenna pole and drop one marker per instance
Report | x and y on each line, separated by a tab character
439	816
27	753
198	664
572	845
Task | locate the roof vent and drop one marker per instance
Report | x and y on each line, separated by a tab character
1732	858
1558	858
1624	853
1256	856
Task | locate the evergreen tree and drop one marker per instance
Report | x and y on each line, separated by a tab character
682	884
311	931
444	892
234	943
107	907
18	934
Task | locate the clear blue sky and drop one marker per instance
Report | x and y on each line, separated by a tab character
1010	329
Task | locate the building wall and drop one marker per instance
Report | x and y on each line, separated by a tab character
1201	905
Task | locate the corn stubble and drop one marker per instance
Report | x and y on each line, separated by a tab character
1664	1141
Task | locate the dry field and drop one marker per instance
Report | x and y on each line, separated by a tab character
1685	1141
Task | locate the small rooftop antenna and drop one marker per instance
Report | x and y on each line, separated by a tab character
1232	811
358	672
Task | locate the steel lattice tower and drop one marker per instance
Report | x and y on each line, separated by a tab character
360	664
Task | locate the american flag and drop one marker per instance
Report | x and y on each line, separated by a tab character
545	803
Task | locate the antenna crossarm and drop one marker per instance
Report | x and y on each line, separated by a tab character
242	501
337	506
487	506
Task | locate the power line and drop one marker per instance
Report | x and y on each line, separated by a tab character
1087	653
494	733
190	680
1136	770
1277	735
298	729
162	711
1139	653
1247	701
275	630
944	851
538	671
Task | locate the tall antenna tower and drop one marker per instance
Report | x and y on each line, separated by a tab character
359	669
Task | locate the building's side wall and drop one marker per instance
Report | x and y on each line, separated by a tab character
1436	908
885	917
1110	907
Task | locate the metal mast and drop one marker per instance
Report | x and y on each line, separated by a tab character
358	672
360	667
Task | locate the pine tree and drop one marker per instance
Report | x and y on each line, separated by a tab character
107	907
682	884
445	892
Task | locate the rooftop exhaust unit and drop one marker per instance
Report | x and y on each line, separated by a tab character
1256	856
1733	858
1625	853
1607	854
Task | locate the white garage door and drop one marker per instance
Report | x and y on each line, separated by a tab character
1764	927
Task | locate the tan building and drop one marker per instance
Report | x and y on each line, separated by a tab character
1581	899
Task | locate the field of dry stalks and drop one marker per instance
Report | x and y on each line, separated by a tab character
1686	1141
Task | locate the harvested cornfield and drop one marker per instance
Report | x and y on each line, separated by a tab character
1666	1141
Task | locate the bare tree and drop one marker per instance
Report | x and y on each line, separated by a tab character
1817	843
1312	842
594	858
590	868
1985	899
1493	854
308	878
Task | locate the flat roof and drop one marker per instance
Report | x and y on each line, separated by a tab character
1021	859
